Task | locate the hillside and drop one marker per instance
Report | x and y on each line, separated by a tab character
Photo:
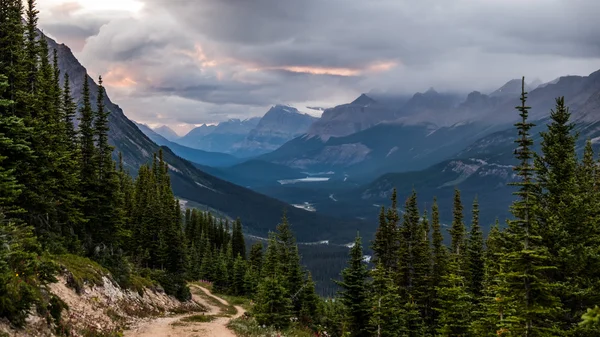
192	184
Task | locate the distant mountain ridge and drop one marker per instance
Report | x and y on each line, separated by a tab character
253	136
368	138
279	125
220	138
166	132
215	159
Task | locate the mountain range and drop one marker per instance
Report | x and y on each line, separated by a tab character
166	132
250	137
436	143
260	213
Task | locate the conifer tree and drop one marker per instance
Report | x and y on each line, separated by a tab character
387	313
255	258
355	292
239	274
385	245
455	305
12	144
237	240
309	302
409	239
273	305
457	231
475	253
526	263
439	259
490	315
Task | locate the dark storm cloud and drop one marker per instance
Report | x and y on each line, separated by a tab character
249	54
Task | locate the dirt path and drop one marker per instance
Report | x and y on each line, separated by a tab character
175	327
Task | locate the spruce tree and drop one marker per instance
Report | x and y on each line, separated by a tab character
492	307
355	292
88	169
12	144
439	260
385	245
387	313
237	239
457	231
455	305
272	304
475	253
526	263
309	302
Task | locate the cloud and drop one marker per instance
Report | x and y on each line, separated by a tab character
215	59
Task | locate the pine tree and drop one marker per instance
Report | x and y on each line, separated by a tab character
439	260
385	245
492	306
237	240
455	305
409	239
387	313
526	264
475	253
255	258
355	291
88	169
273	305
12	144
457	231
309	301
239	274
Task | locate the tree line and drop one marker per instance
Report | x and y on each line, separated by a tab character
537	276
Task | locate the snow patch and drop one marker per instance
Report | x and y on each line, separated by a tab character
392	150
306	206
303	180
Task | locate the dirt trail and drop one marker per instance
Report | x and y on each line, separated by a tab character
174	327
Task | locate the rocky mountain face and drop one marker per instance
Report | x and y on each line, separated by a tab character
195	187
427	128
166	132
342	120
279	125
220	138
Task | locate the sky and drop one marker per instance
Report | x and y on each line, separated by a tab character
182	63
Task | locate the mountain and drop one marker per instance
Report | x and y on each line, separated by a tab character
279	125
365	138
167	132
258	212
216	159
200	131
221	138
485	166
342	120
432	106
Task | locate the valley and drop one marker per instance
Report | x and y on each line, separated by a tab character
258	169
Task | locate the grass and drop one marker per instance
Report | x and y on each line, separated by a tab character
225	310
139	283
199	319
236	300
81	271
248	327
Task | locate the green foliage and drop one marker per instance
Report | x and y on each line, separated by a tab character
355	293
273	306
